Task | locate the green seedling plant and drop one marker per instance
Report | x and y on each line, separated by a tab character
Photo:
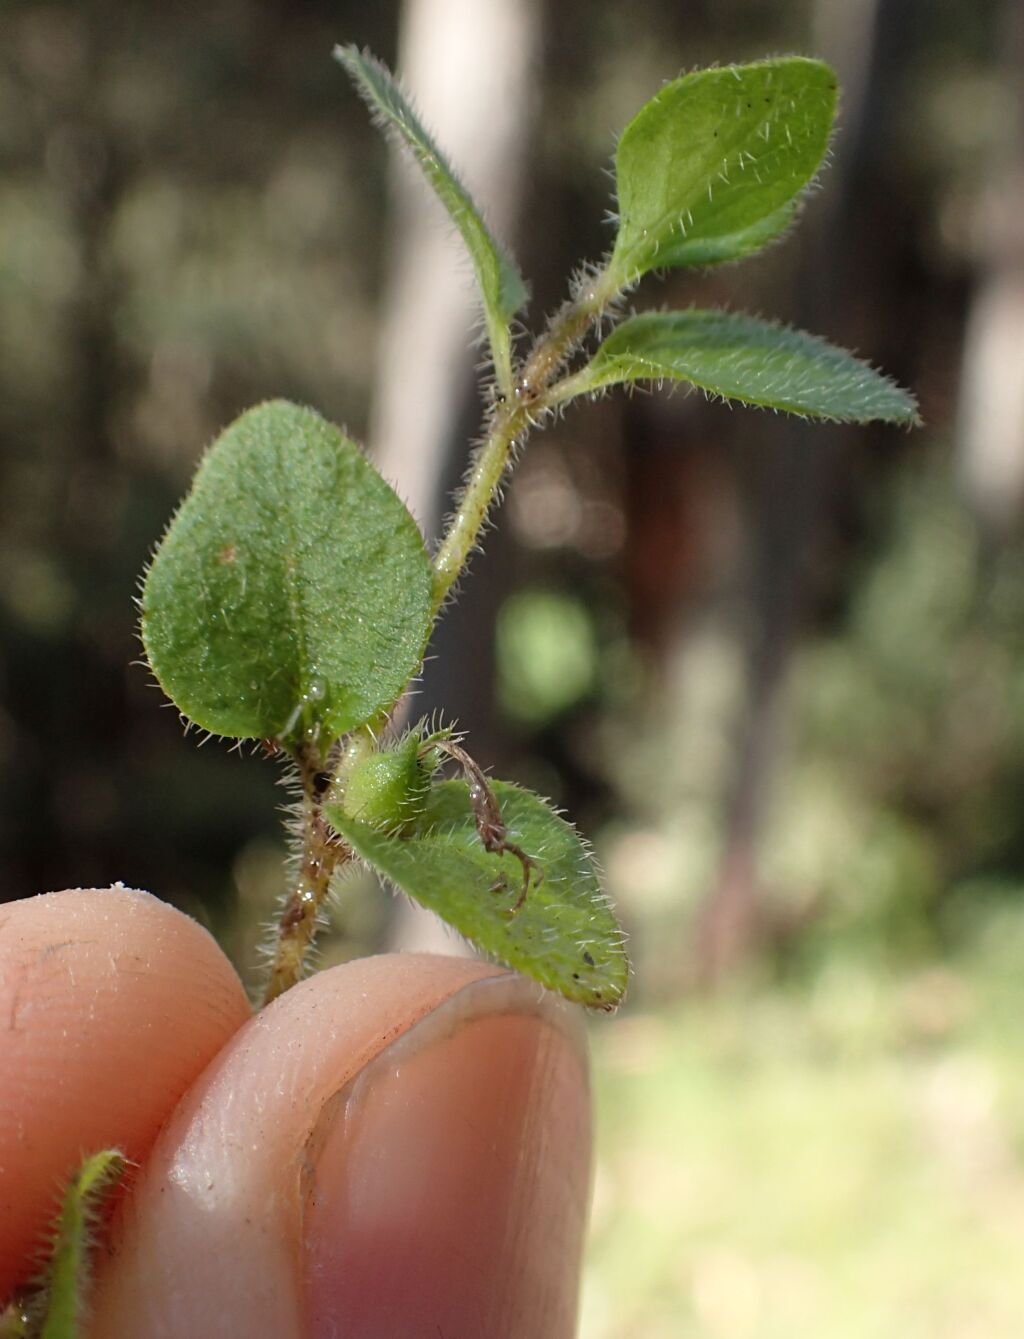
292	599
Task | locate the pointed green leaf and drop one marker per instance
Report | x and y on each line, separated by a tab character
742	358
291	592
68	1272
501	285
564	934
712	167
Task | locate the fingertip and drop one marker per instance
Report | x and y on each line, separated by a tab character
394	1146
111	1002
448	1184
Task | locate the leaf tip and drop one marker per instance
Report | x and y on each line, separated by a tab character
348	55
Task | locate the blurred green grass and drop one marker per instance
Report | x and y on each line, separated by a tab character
844	1158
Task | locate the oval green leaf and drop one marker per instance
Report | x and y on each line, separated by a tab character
712	167
502	288
291	593
743	358
564	935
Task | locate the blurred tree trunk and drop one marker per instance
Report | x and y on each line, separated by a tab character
467	63
990	438
793	478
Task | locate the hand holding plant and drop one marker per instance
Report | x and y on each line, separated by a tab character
292	601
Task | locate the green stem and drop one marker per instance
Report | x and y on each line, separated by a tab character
535	390
511	421
500	340
569	388
568	327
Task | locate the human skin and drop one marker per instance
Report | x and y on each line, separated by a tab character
397	1146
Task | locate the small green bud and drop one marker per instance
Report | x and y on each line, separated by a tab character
388	789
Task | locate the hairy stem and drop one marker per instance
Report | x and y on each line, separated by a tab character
532	394
321	855
565	331
500	340
511	422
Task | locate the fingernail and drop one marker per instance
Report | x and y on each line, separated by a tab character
448	1183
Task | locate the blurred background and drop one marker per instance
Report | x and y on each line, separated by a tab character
775	670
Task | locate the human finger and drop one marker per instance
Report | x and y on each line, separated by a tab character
111	1002
399	1146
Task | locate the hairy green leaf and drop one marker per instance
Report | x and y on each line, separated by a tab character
291	593
742	358
501	285
564	935
712	167
68	1272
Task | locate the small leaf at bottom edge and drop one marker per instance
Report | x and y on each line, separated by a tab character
67	1273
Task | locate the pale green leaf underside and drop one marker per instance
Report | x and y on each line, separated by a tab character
292	590
501	285
67	1274
742	358
564	935
711	168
